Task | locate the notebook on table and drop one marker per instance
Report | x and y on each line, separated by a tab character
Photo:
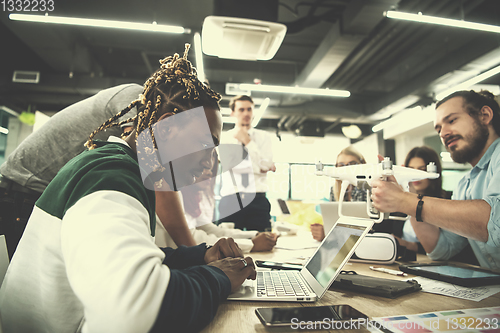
312	282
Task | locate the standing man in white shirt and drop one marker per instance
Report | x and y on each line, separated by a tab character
244	186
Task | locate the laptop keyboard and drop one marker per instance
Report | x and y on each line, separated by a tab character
280	283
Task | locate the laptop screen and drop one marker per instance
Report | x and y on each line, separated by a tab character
283	207
333	251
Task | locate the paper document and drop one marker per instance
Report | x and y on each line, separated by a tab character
481	320
443	288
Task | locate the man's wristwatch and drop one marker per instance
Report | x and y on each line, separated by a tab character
420	204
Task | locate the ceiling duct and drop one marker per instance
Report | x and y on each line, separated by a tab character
243	30
310	129
234	89
26	77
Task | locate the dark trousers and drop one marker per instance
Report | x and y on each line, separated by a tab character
15	209
255	215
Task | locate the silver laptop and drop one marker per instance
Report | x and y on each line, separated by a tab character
330	212
312	282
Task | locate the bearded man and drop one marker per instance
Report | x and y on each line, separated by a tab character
468	124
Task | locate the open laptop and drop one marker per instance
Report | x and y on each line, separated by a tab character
310	283
284	207
330	212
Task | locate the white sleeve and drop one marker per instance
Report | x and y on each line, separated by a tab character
260	149
112	264
223	232
162	237
207	212
201	236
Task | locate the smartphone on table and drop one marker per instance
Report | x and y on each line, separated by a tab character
321	317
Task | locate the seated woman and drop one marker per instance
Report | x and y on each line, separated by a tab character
199	204
419	158
348	156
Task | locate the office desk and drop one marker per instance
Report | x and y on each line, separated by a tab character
240	317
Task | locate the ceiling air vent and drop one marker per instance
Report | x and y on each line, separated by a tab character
234	89
241	38
26	77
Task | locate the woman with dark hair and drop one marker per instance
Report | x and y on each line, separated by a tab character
418	158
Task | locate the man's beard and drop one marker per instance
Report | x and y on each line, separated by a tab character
476	142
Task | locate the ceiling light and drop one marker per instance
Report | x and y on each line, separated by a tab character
380	126
394	107
150	27
351	131
10	111
441	21
295	90
228	120
391	121
260	112
446	156
200	69
3	130
469	83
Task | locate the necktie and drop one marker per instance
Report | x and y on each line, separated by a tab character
244	176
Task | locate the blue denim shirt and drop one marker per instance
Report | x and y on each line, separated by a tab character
482	182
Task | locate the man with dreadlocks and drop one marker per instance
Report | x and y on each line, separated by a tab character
87	259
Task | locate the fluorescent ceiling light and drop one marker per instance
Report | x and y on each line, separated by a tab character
228	120
446	157
400	117
442	21
10	111
260	112
150	27
295	90
380	126
200	69
352	131
469	83
394	107
3	130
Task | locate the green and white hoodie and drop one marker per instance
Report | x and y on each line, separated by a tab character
87	261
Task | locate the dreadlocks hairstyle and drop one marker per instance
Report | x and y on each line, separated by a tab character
173	88
473	103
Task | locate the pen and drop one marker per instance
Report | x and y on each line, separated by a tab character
388	271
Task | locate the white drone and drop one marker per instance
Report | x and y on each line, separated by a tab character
352	174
